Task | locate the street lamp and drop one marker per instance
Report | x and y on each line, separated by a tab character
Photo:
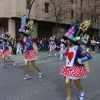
30	9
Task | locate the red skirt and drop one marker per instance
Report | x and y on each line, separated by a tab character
30	55
52	47
62	51
6	53
75	72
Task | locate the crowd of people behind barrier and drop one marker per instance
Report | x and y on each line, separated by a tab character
42	44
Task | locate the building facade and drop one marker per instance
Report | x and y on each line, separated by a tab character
46	22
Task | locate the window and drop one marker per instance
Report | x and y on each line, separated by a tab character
95	8
46	7
28	3
81	16
95	20
5	28
72	14
81	2
72	1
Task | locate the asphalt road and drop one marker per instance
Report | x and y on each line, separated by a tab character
51	86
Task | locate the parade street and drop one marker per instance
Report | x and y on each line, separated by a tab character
51	86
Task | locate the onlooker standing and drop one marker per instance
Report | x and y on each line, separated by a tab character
19	48
41	44
93	43
14	47
99	43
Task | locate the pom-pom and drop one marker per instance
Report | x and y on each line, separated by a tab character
78	38
74	39
84	25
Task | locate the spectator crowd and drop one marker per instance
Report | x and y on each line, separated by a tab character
43	44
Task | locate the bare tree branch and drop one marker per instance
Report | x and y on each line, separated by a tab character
92	10
58	10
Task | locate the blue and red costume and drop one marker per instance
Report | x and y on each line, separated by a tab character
30	54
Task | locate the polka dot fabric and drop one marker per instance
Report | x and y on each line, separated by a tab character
6	53
75	72
30	55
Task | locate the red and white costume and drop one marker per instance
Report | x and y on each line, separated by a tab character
6	52
30	54
52	45
73	69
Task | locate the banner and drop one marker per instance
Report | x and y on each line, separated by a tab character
23	19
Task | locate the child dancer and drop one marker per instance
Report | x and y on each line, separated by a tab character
73	70
1	47
52	46
6	52
30	54
62	49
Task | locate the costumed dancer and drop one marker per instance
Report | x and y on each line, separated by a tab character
93	43
62	49
30	54
6	52
1	47
72	69
52	46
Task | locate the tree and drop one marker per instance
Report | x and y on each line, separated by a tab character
58	10
91	10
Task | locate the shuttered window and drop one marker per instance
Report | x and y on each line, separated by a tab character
28	3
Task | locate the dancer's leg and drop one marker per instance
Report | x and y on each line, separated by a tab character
35	66
27	68
68	88
78	85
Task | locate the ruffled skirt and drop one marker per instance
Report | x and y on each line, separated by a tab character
30	55
6	53
52	47
75	72
62	51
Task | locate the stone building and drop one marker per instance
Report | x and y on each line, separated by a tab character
44	21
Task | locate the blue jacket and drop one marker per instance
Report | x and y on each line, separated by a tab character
29	44
78	55
5	46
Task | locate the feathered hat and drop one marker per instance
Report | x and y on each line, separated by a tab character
8	34
52	38
75	33
4	36
62	40
26	28
85	38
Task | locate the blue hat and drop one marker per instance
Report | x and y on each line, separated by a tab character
75	33
4	36
52	38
